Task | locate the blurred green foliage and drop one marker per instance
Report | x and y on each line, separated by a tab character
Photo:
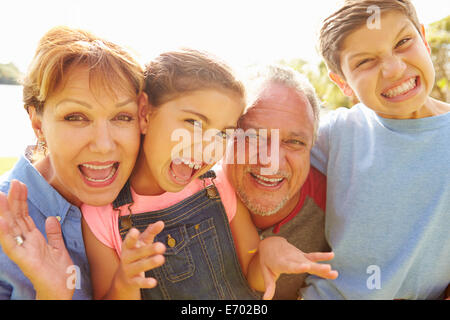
9	74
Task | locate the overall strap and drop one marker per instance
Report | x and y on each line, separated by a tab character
124	196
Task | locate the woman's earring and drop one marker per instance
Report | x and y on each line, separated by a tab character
41	146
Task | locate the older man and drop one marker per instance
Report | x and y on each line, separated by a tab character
283	194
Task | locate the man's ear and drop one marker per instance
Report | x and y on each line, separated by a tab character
144	110
424	39
341	83
36	122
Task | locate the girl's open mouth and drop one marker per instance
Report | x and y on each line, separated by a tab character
182	170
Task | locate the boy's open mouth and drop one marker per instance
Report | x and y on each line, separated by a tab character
182	170
401	89
98	172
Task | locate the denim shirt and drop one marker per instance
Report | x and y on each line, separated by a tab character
43	202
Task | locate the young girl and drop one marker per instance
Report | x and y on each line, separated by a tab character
188	91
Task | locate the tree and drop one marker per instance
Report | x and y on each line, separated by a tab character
9	74
438	37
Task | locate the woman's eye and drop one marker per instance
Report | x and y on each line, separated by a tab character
75	117
124	117
195	123
402	42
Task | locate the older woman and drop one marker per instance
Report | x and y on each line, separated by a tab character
83	96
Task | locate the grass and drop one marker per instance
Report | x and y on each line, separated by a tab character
6	164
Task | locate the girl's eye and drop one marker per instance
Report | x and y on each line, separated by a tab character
223	135
75	117
402	42
195	123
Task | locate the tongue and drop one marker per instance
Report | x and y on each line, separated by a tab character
181	170
94	173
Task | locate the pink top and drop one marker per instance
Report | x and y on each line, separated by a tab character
104	221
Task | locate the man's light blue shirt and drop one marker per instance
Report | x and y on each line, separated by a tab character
43	202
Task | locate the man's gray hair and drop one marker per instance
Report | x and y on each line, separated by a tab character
260	78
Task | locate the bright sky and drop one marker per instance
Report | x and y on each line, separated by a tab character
240	31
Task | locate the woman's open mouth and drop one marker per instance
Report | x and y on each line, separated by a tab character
182	170
99	174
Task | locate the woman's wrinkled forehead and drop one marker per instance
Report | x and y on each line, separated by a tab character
101	81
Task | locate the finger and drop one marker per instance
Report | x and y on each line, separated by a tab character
23	208
144	283
17	199
131	238
5	213
7	242
322	270
319	256
135	268
145	251
148	236
269	283
54	234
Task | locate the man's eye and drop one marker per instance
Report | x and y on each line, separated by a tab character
296	142
402	42
75	117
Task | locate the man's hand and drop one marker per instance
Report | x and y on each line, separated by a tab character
277	256
44	263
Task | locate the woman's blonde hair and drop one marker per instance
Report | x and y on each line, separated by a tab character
185	70
352	15
110	65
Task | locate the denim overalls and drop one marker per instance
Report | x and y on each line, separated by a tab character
200	259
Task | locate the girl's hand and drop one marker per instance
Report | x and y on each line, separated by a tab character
45	263
277	256
139	254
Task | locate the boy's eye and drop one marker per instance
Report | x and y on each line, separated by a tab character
195	123
75	117
362	62
402	42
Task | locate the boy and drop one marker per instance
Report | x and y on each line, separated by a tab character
387	159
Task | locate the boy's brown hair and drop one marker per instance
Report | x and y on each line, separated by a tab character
185	70
110	65
351	15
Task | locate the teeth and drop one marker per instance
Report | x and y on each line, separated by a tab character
91	166
191	164
272	180
401	89
113	171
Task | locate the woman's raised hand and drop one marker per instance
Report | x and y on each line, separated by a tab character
44	262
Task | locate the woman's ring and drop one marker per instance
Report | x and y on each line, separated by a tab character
19	240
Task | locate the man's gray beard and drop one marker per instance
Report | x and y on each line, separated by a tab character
258	209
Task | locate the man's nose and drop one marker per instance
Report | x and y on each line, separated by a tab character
393	67
102	138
